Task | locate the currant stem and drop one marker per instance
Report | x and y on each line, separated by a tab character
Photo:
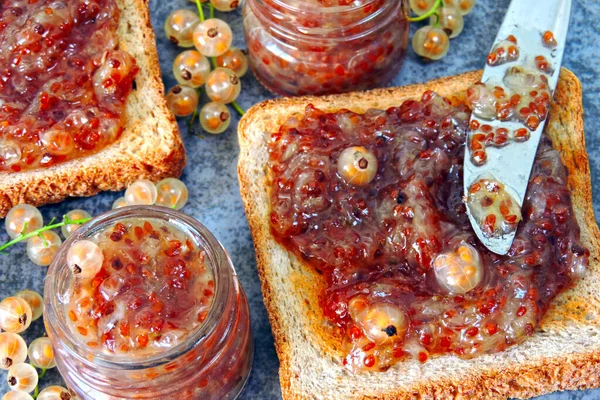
428	14
66	221
237	108
211	10
200	10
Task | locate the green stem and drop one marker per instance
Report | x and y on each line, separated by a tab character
36	392
200	10
237	108
65	221
428	14
213	61
211	10
43	373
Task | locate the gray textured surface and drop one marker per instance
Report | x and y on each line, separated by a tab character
211	174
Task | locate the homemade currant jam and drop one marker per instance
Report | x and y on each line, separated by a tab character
63	81
153	289
405	273
321	46
143	302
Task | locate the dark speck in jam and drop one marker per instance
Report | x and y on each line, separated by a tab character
406	275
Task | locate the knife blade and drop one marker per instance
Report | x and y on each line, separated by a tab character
511	164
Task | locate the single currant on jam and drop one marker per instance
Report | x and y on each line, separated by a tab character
35	301
13	349
10	152
41	354
67	230
141	192
172	193
84	259
235	60
225	5
23	218
459	271
180	25
223	86
41	249
55	393
212	37
15	314
357	165
182	100
215	118
191	68
431	42
450	20
381	322
22	377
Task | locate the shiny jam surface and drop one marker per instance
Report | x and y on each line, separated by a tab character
303	47
405	273
63	81
153	289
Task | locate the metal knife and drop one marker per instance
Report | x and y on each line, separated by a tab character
527	21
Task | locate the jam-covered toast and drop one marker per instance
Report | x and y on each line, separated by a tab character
564	351
149	146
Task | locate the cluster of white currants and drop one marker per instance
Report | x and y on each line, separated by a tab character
16	314
212	38
169	192
445	22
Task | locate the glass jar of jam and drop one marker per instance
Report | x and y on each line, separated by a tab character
144	303
325	46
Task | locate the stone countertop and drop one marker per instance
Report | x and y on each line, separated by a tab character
212	176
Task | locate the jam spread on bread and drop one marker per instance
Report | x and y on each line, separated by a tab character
405	274
63	81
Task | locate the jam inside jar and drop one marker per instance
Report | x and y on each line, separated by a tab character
163	317
325	46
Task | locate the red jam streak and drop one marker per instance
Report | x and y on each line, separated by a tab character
153	289
526	99
63	82
405	273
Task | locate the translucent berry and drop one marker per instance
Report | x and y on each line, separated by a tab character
141	192
225	5
431	42
235	60
463	6
35	301
191	68
85	259
212	37
55	393
172	193
357	165
57	141
73	215
450	20
22	377
42	248
223	86
15	314
421	7
215	118
23	218
120	202
180	25
13	349
460	271
10	152
16	395
182	100
41	354
381	322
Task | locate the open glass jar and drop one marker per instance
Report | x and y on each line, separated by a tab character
301	47
164	318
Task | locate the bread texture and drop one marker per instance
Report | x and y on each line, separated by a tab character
149	147
564	352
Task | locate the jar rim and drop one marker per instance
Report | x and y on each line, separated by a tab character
216	257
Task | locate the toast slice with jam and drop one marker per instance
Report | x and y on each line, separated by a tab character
149	147
563	353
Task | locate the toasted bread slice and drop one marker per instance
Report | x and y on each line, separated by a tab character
564	353
150	146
